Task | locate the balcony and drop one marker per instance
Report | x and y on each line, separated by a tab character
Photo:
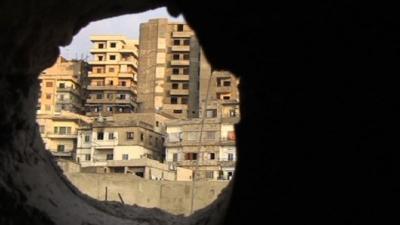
182	34
179	92
68	89
61	136
180	77
180	62
110	101
62	154
223	89
114	62
180	48
110	88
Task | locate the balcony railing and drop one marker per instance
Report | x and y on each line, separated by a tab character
180	48
59	135
68	89
180	62
179	92
180	77
181	34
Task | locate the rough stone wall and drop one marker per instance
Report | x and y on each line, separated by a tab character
173	197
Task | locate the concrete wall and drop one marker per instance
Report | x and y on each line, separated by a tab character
171	196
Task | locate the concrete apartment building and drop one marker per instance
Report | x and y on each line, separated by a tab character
168	68
127	143
113	78
216	153
59	132
122	136
62	87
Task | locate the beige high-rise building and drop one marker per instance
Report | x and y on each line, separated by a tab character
61	87
168	68
113	79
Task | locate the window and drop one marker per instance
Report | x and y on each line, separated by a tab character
185	86
210	135
211	113
157	123
99	83
60	148
174	100
226	97
111	69
41	129
125	156
109	96
122	96
150	140
227	83
231	135
232	113
48	96
99	70
212	156
175	56
99	96
100	136
230	157
175	71
141	136
177	42
100	58
175	157
156	141
87	157
191	156
61	97
186	70
112	57
129	135
113	45
210	174
109	108
184	100
178	111
175	85
101	45
61	85
123	83
110	156
180	27
49	84
186	56
186	42
87	138
111	136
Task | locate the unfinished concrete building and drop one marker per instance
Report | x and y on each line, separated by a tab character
223	86
62	87
113	78
168	68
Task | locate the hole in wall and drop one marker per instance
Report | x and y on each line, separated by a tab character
122	105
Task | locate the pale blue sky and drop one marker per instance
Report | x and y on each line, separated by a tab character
127	25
